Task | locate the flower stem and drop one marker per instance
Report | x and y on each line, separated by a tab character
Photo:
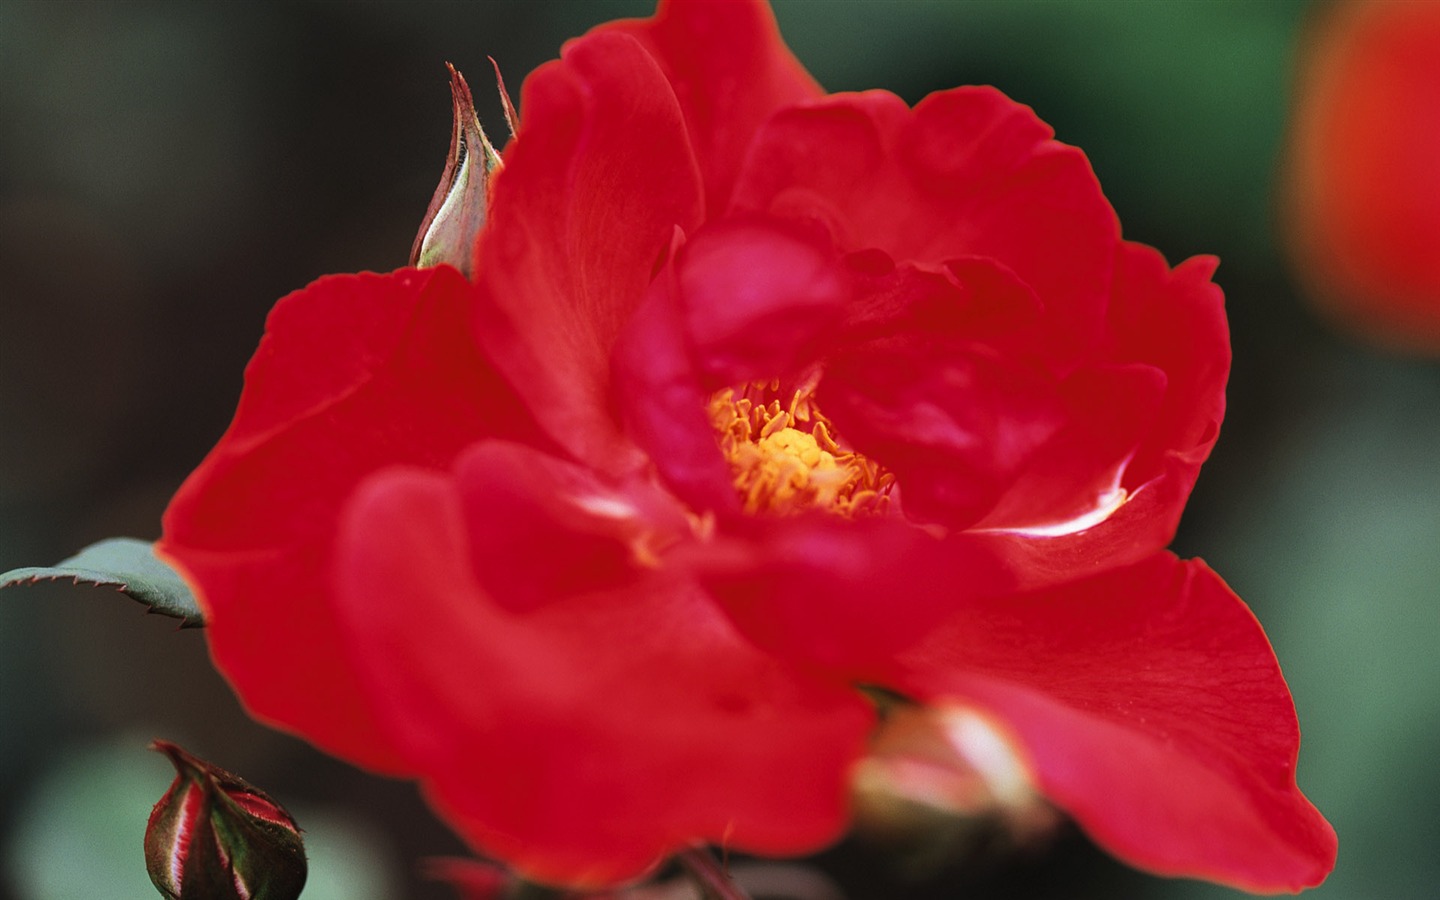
710	876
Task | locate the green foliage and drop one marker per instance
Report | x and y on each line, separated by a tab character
128	565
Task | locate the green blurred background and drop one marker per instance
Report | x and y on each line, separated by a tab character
169	169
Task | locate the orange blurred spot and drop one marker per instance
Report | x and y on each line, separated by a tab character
1363	203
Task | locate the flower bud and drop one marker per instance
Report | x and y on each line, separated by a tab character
214	836
941	779
462	199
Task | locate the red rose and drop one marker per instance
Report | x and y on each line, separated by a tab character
758	395
1364	188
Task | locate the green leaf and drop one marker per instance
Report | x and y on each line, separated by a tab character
128	565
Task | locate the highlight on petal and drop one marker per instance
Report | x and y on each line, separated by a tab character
1077	479
1106	501
585	739
730	70
1149	706
351	369
594	185
1148	414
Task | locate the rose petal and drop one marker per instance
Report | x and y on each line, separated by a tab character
1168	320
585	740
1173	320
1075	480
759	298
968	172
519	499
748	299
846	596
935	385
972	298
1151	708
730	70
662	401
351	370
593	188
795	168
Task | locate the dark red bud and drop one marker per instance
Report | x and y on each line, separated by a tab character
215	836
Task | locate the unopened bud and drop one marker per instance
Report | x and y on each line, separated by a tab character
462	199
946	775
215	836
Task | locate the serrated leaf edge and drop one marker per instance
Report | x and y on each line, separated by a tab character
96	578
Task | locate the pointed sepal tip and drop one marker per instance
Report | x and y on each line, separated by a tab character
458	209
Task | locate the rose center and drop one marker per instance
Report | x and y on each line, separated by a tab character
787	458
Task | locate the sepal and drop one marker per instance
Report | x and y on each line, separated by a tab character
461	202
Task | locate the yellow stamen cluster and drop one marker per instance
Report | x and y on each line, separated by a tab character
786	460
